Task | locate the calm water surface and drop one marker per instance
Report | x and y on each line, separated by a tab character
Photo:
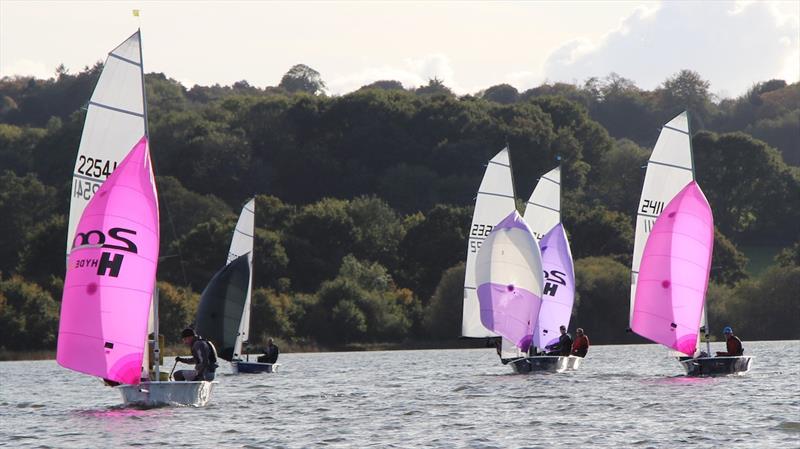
624	396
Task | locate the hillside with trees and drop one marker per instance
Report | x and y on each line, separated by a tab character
363	201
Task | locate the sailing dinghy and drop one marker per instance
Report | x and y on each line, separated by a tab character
223	315
543	214
110	299
672	256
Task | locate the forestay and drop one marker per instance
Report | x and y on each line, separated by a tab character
494	201
674	271
508	271
669	169
111	274
115	121
241	244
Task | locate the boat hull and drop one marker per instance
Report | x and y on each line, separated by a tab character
715	366
152	394
541	363
253	367
574	362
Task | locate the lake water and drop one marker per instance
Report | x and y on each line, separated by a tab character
623	396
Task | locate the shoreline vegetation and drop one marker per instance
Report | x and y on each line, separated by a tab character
172	350
364	201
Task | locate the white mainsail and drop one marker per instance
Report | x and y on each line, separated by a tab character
543	210
242	243
494	202
115	121
669	169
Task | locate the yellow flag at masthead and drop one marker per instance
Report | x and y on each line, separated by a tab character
135	13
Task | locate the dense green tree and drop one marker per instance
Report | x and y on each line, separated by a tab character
431	246
177	307
602	306
302	78
24	202
501	93
443	313
320	235
765	307
28	316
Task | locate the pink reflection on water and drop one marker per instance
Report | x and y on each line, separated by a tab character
119	413
682	381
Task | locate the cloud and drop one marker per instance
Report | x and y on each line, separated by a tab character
27	67
732	45
411	73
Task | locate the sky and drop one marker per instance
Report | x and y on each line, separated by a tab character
469	45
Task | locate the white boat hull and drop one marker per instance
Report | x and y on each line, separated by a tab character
716	366
242	367
574	362
540	363
152	394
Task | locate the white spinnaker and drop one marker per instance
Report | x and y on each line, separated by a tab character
543	210
242	243
115	121
669	169
495	200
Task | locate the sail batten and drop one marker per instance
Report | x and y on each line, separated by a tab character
494	201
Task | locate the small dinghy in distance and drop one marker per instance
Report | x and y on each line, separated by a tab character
508	271
110	299
223	315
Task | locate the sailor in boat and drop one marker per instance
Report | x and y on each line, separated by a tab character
734	345
204	357
581	345
270	353
564	345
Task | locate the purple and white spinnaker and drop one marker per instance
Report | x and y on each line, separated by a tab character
673	273
558	293
508	271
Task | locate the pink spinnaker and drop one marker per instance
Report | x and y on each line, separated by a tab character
673	275
111	274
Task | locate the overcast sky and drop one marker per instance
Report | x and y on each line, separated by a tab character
469	45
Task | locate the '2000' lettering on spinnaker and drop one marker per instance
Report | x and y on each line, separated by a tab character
108	264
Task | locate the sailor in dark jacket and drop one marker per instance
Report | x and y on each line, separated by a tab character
564	345
203	356
270	353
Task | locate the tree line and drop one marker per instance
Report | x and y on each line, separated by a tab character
363	201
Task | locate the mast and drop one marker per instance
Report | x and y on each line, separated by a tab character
704	322
156	347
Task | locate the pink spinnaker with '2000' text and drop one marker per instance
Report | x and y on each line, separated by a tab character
111	275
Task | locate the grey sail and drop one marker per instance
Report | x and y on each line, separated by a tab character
222	304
